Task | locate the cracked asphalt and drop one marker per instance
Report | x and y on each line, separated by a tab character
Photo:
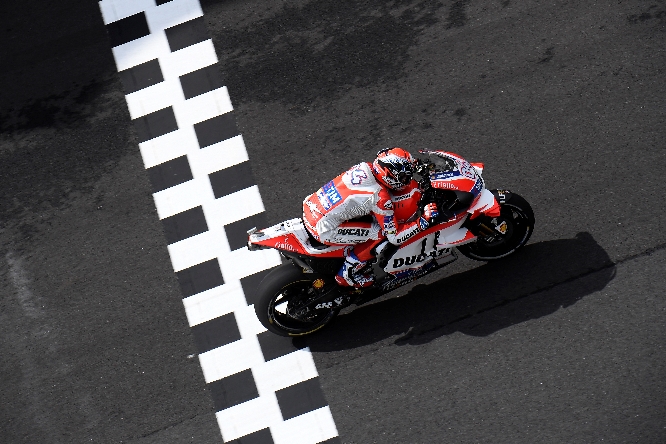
562	101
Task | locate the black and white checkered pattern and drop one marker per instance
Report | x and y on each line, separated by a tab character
264	389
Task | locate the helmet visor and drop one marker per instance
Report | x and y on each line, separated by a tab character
402	173
404	177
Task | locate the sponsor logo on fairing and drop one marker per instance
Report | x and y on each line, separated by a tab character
423	224
444	175
389	225
332	193
328	195
411	260
408	276
388	205
357	176
407	236
285	245
353	232
338	301
477	187
501	195
467	170
402	197
444	185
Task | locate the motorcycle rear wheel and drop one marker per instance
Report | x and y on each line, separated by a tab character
284	290
518	214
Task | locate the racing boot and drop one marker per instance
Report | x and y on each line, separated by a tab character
350	274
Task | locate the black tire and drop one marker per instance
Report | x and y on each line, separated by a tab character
288	284
519	216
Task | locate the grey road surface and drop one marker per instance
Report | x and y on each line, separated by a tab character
563	102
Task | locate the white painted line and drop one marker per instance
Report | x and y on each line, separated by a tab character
279	373
241	262
231	358
217	157
248	324
246	203
115	10
186	60
169	146
182	197
202	107
249	417
187	112
213	303
154	98
285	371
310	428
141	51
197	249
172	13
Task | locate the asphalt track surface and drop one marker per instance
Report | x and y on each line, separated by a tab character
563	102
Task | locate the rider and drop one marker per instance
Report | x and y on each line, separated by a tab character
365	189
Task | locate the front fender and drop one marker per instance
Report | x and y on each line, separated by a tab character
485	204
502	196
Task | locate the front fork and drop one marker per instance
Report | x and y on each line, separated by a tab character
486	226
480	226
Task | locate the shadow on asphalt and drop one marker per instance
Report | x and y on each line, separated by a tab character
478	302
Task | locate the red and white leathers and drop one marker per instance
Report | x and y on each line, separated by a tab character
327	214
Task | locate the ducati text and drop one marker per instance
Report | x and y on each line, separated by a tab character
353	232
408	235
411	260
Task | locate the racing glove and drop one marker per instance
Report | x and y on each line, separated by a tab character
430	213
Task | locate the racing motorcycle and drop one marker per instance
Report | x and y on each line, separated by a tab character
301	296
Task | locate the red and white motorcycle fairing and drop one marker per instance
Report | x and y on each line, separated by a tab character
433	246
437	242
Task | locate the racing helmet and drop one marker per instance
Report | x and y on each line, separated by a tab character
394	167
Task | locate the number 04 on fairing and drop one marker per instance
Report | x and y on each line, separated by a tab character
300	297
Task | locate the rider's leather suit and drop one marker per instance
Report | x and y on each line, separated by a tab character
328	213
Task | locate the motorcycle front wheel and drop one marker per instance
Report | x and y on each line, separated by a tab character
282	296
517	213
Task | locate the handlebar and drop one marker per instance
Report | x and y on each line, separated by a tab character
423	169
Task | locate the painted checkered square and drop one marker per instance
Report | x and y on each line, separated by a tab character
264	388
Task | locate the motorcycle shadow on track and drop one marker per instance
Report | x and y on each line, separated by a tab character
540	279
